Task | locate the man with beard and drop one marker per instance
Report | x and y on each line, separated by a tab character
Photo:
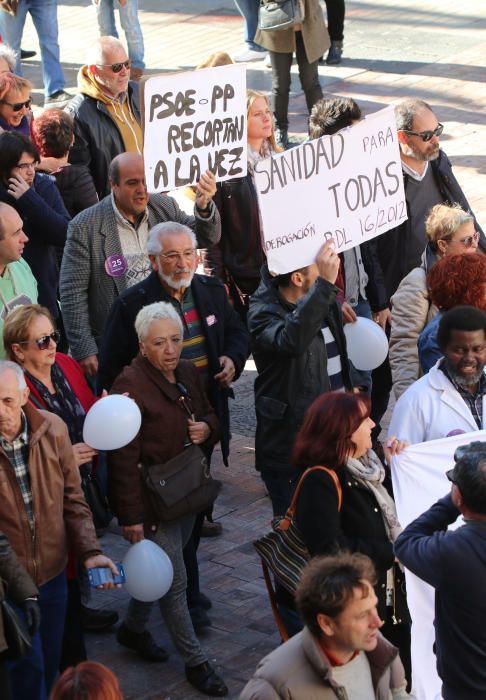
450	398
428	180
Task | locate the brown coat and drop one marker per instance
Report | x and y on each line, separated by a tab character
14	581
61	513
314	34
161	437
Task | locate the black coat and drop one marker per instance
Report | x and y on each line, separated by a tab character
45	222
359	527
393	246
225	335
97	139
76	187
291	360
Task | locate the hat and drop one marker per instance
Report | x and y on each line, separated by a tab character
469	475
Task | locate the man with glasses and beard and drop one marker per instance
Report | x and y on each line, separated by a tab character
449	399
106	111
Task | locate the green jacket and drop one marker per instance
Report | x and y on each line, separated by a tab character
18	287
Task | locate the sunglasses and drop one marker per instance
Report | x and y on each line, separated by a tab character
426	135
466	242
44	342
116	67
17	106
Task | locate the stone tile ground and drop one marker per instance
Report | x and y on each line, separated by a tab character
433	49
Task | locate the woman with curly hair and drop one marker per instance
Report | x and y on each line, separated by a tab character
450	231
458	280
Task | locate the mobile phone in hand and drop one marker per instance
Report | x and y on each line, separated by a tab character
101	575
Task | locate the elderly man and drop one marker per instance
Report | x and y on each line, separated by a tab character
43	514
106	111
299	348
454	563
17	283
105	249
340	653
450	398
428	180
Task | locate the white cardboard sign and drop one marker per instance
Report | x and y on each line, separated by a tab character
348	187
194	121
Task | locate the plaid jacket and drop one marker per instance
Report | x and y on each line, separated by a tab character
87	291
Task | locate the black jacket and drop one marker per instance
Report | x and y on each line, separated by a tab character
454	563
290	356
359	527
45	222
76	187
375	289
393	245
97	138
239	256
225	334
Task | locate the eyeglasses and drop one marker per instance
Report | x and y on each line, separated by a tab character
17	106
116	67
466	242
26	166
44	342
426	135
186	255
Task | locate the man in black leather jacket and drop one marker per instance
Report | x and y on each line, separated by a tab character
291	320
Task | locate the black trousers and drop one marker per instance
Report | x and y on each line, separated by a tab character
5	687
190	560
309	78
335	19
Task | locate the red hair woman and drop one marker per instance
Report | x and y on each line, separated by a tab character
87	681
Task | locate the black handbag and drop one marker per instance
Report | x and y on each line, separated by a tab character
93	494
19	641
181	486
277	14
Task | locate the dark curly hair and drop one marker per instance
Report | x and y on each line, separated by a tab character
52	133
332	114
458	280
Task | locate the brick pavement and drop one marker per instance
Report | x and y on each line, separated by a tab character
393	48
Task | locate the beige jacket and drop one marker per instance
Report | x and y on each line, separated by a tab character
411	311
314	34
61	513
299	670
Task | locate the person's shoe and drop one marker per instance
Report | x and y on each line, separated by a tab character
334	54
211	529
282	138
249	55
141	642
204	602
24	55
136	74
205	679
200	618
59	99
97	620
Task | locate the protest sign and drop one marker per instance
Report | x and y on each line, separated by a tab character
347	187
419	480
194	122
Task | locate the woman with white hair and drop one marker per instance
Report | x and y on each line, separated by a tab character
175	414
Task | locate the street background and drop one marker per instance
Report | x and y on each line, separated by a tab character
434	50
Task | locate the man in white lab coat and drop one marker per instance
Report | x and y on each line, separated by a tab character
451	398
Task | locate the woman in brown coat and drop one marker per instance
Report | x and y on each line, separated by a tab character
175	413
21	590
308	39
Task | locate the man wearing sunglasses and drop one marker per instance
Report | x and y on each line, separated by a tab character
454	563
106	113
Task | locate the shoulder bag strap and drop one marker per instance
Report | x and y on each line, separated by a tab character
293	505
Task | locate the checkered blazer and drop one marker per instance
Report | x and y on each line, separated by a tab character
87	291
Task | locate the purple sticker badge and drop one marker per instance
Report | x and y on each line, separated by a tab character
116	265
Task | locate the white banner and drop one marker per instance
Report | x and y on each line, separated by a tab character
419	481
348	187
194	122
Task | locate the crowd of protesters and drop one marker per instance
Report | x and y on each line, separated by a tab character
100	292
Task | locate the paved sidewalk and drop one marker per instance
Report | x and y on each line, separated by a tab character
433	49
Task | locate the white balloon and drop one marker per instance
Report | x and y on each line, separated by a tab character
111	422
148	571
367	343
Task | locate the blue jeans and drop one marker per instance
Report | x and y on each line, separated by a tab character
105	11
280	487
44	17
248	9
33	676
361	377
